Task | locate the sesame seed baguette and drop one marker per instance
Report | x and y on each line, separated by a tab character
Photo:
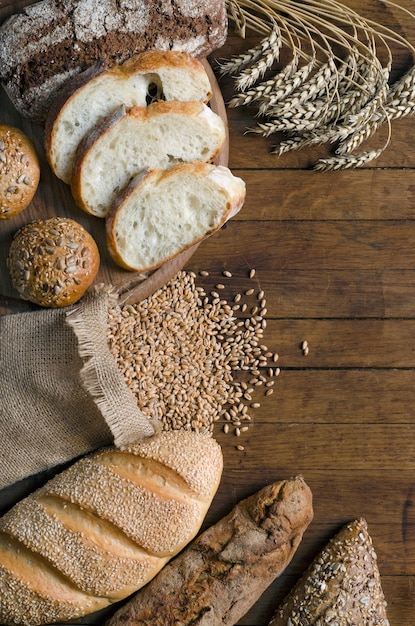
43	45
130	140
342	585
218	578
161	213
100	89
103	528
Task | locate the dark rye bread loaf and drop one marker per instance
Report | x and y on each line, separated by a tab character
51	41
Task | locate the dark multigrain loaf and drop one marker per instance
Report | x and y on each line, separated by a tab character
50	41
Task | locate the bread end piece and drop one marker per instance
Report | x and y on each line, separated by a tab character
342	585
164	212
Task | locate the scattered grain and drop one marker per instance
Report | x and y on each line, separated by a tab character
187	359
252	273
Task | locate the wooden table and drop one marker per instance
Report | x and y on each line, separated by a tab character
335	255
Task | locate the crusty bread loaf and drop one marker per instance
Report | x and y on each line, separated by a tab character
130	140
218	578
53	261
164	212
95	93
19	171
103	528
341	586
49	42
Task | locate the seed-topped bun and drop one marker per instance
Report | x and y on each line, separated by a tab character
103	528
52	262
341	586
19	171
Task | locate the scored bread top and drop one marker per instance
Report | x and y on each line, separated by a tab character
87	98
130	140
103	528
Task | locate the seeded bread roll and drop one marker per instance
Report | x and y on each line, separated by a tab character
164	212
102	529
218	578
95	93
19	171
52	262
130	140
342	585
49	42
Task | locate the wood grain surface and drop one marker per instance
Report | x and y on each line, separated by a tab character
335	256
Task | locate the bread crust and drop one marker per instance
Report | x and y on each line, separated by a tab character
53	261
104	527
217	579
119	126
63	39
233	199
341	585
151	66
19	171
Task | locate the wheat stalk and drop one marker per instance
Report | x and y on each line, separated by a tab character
327	98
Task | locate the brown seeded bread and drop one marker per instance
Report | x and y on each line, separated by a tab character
102	529
217	579
49	42
53	261
99	90
342	585
19	171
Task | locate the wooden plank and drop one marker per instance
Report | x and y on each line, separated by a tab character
321	396
343	343
305	195
320	246
375	293
298	447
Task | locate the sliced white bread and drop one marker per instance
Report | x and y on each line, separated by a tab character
163	212
96	92
130	140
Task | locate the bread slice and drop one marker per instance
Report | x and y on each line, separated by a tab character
45	44
103	528
163	212
130	140
95	93
342	585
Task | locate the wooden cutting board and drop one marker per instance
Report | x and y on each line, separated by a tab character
53	198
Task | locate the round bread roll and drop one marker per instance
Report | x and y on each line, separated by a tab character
19	171
52	262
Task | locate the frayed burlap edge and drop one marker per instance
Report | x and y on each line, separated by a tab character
100	375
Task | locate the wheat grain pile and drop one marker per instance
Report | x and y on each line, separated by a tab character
189	360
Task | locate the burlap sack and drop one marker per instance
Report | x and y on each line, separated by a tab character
62	394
